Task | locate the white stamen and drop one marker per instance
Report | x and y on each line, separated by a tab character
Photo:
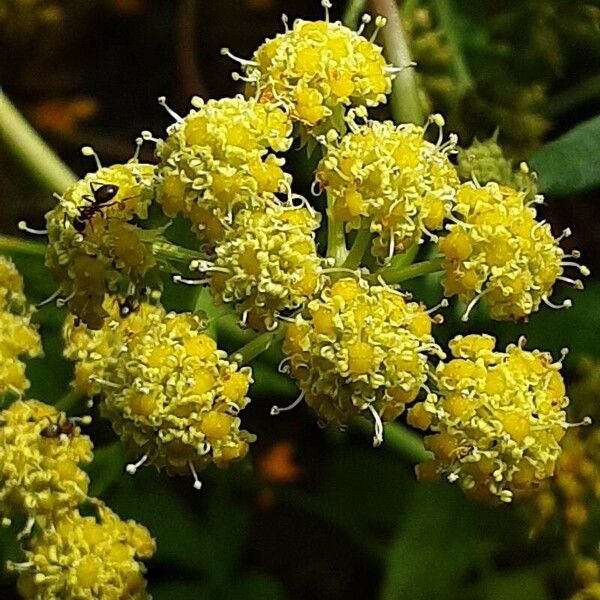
242	61
285	20
365	20
62	301
275	410
471	306
148	137
131	468
378	433
139	142
566	303
197	482
326	4
186	281
24	227
442	304
576	283
49	299
89	151
582	268
565	234
163	102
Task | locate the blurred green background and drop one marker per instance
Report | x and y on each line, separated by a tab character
315	513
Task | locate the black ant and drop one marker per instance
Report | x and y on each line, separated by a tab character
55	430
99	199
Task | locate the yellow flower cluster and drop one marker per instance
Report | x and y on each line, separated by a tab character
360	348
497	249
86	557
40	454
94	245
218	158
18	337
316	70
390	179
497	419
169	393
267	263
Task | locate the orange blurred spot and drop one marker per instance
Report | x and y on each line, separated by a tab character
278	464
129	7
63	115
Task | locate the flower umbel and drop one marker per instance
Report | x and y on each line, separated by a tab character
497	419
170	394
39	463
498	250
316	70
388	178
220	158
94	246
86	557
18	337
360	349
267	263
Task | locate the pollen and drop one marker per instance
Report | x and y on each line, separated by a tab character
390	178
496	420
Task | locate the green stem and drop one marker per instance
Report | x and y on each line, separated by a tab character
359	247
581	92
173	252
336	239
398	439
405	102
396	274
353	12
261	343
15	245
25	144
447	23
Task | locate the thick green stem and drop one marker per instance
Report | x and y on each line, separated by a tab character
359	247
261	343
336	239
353	12
15	245
447	23
396	274
24	143
398	439
405	101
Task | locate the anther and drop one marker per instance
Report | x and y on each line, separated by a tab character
24	227
365	20
442	304
197	482
162	100
275	410
568	303
89	151
132	468
148	137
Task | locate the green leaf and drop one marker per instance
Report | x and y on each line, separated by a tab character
570	164
438	524
527	584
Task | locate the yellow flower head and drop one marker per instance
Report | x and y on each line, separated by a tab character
359	348
497	419
18	337
169	393
389	178
87	557
40	453
316	70
219	158
498	250
94	245
267	263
